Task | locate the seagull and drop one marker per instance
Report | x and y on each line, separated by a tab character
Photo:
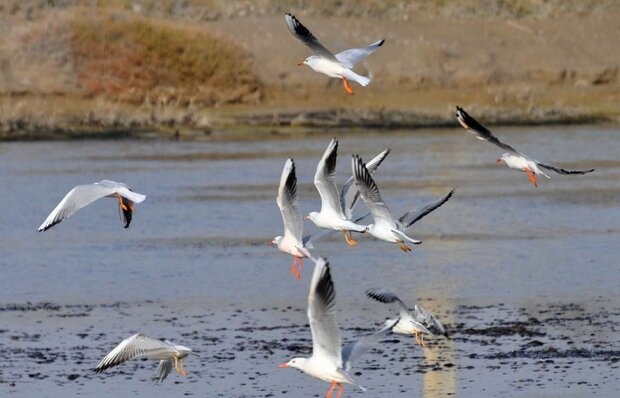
421	321
329	362
385	227
349	197
323	61
142	346
291	242
513	158
83	195
331	215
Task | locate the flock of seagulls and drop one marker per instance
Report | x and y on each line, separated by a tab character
330	360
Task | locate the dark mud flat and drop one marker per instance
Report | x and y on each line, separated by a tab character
550	349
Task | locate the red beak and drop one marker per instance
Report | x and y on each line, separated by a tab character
283	365
498	160
300	63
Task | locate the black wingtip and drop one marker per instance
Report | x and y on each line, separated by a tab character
381	42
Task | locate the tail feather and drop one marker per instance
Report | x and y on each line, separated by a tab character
362	80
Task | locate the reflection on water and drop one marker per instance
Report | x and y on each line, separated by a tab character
443	383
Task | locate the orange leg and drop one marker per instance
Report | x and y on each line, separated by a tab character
404	247
331	390
531	176
340	390
347	237
293	266
347	88
300	261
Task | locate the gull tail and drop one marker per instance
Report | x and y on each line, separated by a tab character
362	80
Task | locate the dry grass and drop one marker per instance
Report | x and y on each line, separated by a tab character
137	60
127	58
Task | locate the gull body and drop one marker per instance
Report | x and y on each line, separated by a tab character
330	361
291	242
513	158
416	323
83	195
331	215
323	61
141	346
385	227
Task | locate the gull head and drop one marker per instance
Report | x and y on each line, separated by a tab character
314	216
276	241
310	61
297	363
183	351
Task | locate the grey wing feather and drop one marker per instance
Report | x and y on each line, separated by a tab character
326	340
355	349
325	179
370	192
136	346
349	195
163	370
481	132
287	201
352	56
302	33
386	296
429	320
560	170
413	216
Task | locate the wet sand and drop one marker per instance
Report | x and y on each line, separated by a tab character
525	279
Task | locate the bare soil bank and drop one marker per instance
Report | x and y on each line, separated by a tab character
505	69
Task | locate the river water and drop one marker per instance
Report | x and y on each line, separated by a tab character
525	278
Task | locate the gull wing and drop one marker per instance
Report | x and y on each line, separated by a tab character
560	170
355	349
163	370
429	320
326	340
481	132
352	56
302	33
325	179
386	296
413	216
349	194
370	193
83	195
287	202
136	346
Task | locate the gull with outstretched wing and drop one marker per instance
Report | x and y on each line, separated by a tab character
291	242
142	346
83	195
330	361
417	323
513	158
385	227
323	61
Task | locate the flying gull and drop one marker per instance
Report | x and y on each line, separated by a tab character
385	227
323	61
513	158
141	346
421	321
83	195
330	362
291	242
331	215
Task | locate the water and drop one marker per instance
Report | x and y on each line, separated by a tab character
194	266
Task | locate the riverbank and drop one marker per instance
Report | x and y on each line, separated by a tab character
506	68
